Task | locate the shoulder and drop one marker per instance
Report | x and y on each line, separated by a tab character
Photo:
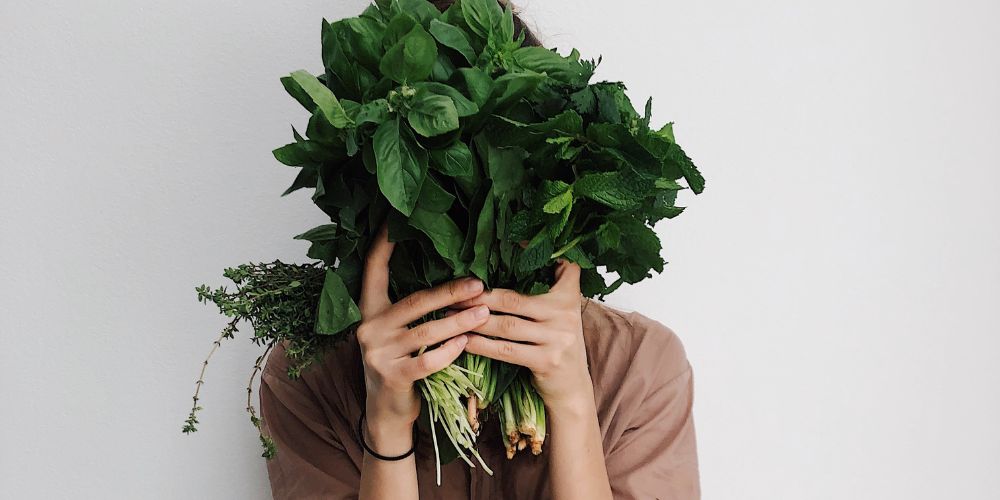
333	382
630	345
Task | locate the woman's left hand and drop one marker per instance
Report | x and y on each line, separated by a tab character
543	333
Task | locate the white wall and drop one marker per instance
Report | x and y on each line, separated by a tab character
836	285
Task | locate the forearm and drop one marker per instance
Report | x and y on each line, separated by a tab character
383	479
577	465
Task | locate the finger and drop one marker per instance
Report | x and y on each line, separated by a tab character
510	302
526	355
432	332
567	277
510	327
417	304
375	281
433	360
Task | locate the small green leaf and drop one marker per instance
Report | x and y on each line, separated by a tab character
300	153
504	166
434	198
463	105
412	58
319	233
401	164
691	173
511	87
432	114
376	112
478	84
323	98
455	160
559	196
485	236
443	233
454	38
667	131
608	237
336	310
536	255
553	65
422	10
482	16
614	189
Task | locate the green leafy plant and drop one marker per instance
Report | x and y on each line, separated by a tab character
486	158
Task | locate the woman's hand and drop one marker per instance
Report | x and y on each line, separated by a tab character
387	343
543	333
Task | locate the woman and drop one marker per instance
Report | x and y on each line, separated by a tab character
617	388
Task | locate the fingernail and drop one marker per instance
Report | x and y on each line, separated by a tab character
461	340
481	312
474	285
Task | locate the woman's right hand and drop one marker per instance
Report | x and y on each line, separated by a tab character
387	343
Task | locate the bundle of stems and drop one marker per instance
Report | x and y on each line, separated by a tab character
444	391
457	394
486	383
522	416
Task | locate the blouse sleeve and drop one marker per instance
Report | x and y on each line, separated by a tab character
655	457
311	461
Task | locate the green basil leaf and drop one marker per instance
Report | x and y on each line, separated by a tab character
434	198
511	87
478	84
323	98
401	165
319	233
455	160
336	310
422	10
463	105
444	234
482	16
300	153
307	177
504	166
297	93
412	58
432	114
454	38
485	236
376	112
399	25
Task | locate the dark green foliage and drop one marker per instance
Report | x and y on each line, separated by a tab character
483	156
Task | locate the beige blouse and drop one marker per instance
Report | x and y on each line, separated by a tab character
642	386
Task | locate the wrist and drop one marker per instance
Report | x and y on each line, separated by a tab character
577	405
390	437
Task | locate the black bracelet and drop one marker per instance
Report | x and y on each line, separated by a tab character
361	439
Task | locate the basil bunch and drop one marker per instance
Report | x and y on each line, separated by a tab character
468	144
485	158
